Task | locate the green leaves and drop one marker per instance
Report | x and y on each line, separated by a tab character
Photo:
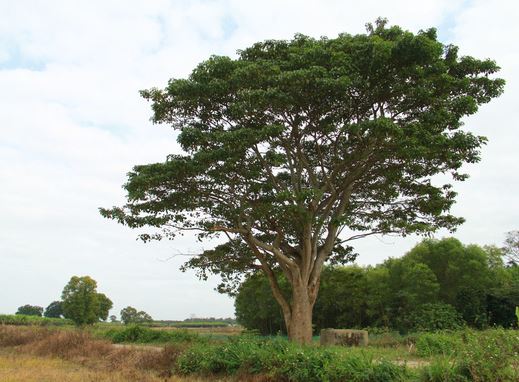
331	134
82	304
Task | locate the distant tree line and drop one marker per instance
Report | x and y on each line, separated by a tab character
80	302
439	284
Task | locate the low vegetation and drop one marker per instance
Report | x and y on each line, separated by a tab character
140	334
20	319
96	356
457	356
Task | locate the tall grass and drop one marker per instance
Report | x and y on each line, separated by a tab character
281	360
479	356
80	346
140	334
21	319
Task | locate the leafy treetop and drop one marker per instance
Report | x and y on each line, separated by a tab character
295	148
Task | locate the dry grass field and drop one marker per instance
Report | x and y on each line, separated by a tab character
41	354
28	368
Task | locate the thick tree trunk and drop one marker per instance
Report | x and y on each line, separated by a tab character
299	322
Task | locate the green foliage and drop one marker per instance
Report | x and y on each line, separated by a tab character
293	141
440	343
256	308
54	310
130	315
442	369
139	334
20	319
284	361
463	274
104	306
82	304
490	355
403	294
342	298
30	310
482	356
433	317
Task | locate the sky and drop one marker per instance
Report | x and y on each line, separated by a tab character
72	124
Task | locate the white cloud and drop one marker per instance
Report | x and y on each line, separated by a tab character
72	124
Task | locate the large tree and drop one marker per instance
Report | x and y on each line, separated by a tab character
295	148
82	303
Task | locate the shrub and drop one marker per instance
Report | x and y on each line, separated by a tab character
79	346
284	361
140	334
13	336
433	317
20	319
391	340
440	343
490	355
442	369
480	356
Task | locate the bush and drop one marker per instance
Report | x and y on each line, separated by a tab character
391	339
433	317
441	343
15	336
481	356
490	355
283	361
140	334
442	369
20	319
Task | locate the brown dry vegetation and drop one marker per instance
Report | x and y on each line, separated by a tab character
41	354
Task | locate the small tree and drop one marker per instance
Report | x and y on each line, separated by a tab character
130	315
105	304
30	310
82	304
113	318
54	310
295	148
511	248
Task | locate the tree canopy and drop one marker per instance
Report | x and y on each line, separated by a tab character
82	303
401	293
54	310
30	310
130	315
295	148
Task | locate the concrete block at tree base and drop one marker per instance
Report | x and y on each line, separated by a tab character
344	337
